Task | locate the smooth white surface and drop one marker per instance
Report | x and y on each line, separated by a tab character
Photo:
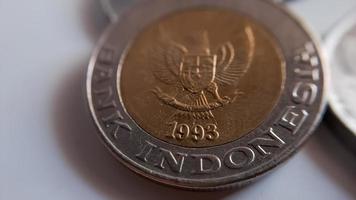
48	146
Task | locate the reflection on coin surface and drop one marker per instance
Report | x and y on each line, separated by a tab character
341	44
205	94
201	83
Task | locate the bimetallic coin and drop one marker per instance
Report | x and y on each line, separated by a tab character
205	94
341	46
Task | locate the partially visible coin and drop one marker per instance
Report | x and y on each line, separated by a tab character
113	8
205	94
341	47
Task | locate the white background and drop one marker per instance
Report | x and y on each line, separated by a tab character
49	148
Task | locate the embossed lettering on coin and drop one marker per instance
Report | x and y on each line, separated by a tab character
205	94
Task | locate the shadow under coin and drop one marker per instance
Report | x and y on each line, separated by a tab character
333	158
77	138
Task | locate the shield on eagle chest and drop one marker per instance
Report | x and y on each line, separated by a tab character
197	72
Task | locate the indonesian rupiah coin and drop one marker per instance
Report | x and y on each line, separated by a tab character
205	94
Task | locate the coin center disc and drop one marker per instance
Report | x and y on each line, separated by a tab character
201	77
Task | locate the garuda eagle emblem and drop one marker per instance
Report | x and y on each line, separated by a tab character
197	71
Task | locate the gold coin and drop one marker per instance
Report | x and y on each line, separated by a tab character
201	77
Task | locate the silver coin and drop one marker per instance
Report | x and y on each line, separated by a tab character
113	8
341	48
291	120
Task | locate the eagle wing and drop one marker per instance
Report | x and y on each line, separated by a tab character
234	63
166	60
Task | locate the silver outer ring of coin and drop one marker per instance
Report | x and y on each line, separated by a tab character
339	114
260	151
